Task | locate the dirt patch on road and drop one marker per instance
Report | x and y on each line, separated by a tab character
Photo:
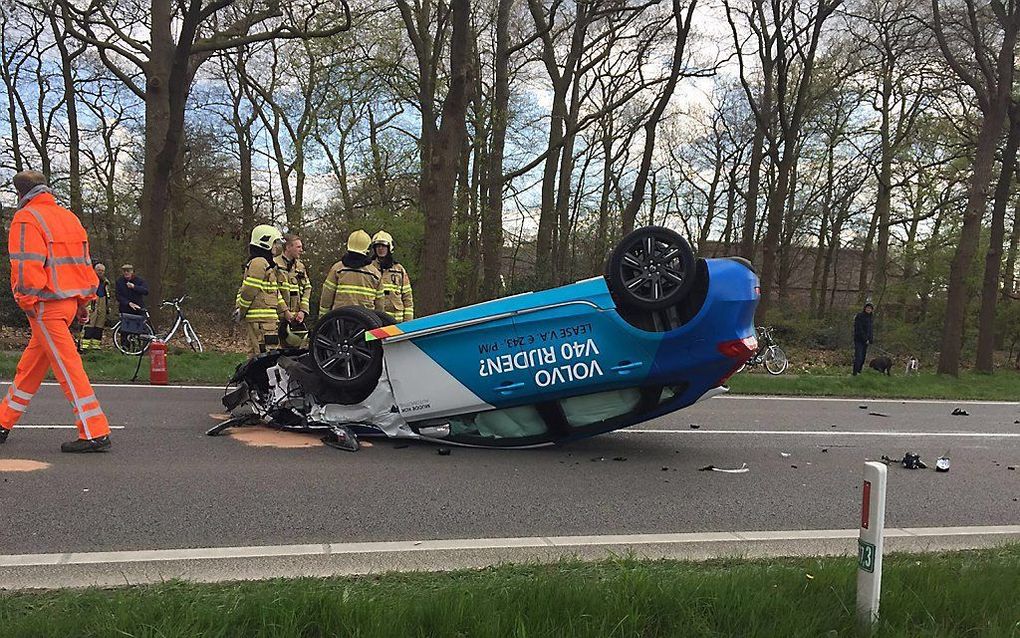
265	437
22	465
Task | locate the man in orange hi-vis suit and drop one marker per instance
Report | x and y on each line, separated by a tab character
53	282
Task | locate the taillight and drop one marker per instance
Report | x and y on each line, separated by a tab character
757	291
741	349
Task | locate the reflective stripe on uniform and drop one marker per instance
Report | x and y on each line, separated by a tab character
354	289
27	256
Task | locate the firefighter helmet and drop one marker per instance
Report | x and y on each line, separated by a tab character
384	238
359	242
265	236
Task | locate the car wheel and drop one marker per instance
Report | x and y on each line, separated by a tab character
339	350
652	268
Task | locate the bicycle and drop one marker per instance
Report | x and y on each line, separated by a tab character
136	342
768	354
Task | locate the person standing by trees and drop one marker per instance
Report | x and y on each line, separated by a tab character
295	287
354	280
258	299
92	337
397	299
864	334
53	282
131	291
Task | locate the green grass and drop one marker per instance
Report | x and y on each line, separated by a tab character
111	366
1004	385
952	594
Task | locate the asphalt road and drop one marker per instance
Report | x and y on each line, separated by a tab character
167	485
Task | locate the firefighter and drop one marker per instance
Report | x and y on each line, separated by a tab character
92	336
53	282
295	287
397	299
258	298
354	280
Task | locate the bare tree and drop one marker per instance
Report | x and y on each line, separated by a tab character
979	43
787	37
441	141
161	68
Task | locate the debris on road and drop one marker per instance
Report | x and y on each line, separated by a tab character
784	454
695	426
959	412
942	464
443	451
619	458
877	414
1011	467
794	466
598	459
913	461
863	407
738	470
665	469
825	450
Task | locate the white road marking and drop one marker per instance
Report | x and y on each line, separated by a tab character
55	426
832	432
770	397
475	544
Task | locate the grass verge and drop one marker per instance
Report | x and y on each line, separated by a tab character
970	593
1004	385
110	366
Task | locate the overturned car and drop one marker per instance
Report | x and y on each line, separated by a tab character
658	332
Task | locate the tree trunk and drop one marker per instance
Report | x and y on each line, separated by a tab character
773	228
683	27
440	174
67	58
492	223
748	231
1009	276
993	258
150	251
883	203
963	259
863	287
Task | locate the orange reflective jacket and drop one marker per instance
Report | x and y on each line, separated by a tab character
49	252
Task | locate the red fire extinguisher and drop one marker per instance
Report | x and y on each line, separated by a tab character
157	364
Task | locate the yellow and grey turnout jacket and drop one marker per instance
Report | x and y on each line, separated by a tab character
258	298
352	281
397	299
294	285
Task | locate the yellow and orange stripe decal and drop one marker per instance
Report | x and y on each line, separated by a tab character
382	333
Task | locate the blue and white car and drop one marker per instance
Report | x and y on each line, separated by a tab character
658	332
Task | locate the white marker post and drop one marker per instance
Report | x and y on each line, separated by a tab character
869	544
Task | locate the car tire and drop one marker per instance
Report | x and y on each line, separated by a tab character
651	268
340	353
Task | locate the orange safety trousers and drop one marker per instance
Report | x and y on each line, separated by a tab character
52	346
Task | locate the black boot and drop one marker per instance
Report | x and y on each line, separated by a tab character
101	444
4	432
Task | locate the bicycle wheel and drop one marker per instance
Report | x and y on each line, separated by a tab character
132	344
775	360
192	337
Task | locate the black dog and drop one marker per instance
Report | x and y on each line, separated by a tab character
882	364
